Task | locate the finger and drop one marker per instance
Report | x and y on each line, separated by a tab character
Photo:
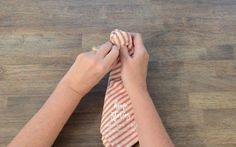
104	49
90	53
137	39
138	44
111	57
124	55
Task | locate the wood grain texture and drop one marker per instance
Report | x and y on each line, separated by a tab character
192	69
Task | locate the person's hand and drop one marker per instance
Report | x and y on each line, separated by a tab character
90	67
134	68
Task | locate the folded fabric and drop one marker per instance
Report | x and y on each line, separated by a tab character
118	127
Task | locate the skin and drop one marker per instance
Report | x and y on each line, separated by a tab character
88	69
134	72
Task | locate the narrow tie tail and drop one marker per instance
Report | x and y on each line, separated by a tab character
118	127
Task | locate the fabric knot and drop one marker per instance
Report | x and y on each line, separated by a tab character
121	38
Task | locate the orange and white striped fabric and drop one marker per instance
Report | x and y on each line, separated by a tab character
118	127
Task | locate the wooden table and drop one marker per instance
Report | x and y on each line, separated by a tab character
192	70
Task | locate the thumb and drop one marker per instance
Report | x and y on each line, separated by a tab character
124	55
137	38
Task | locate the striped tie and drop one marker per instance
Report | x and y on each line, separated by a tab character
118	127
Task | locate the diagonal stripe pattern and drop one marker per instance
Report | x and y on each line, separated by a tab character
118	127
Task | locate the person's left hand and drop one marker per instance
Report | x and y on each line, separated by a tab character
90	67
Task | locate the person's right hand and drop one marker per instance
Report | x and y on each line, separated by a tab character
90	67
134	68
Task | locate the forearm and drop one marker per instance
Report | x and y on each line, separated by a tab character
87	70
149	126
46	124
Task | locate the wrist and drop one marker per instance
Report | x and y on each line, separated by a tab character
138	96
70	85
137	89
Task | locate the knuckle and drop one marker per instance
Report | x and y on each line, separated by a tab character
146	57
144	54
92	61
80	56
100	68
